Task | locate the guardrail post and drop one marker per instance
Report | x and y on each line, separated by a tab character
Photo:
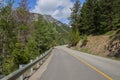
41	60
21	77
37	63
31	69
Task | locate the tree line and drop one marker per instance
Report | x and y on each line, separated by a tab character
95	17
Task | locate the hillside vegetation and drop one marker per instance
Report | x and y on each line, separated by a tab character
24	35
95	21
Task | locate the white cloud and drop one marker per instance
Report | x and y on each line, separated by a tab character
59	9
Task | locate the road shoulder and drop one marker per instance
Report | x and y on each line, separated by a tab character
37	75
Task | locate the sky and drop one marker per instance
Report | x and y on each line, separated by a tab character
59	9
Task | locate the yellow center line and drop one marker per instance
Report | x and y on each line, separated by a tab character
91	66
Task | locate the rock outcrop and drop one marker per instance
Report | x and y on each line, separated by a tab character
114	45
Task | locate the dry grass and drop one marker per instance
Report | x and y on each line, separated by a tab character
96	45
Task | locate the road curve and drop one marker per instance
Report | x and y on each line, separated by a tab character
67	64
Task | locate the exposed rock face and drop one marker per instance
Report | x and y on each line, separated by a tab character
114	45
35	16
95	45
49	18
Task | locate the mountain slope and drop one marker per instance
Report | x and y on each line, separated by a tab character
61	29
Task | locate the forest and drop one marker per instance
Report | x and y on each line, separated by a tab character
95	18
22	38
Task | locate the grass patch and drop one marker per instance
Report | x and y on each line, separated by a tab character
85	50
110	33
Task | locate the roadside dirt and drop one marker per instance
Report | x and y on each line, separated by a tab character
96	45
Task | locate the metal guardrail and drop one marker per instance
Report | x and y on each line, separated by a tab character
18	75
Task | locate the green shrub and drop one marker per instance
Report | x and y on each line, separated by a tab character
84	40
74	38
32	48
8	66
19	54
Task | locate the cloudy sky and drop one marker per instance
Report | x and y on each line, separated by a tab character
59	9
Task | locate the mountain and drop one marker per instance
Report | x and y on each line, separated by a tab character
49	18
60	27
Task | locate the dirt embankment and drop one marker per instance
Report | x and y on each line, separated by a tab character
95	45
103	45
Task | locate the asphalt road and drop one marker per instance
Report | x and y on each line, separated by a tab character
67	64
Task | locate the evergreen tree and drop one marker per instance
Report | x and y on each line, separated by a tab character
88	17
106	15
74	21
7	30
116	14
99	16
8	37
74	17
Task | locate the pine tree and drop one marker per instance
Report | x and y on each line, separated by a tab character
88	17
7	30
106	14
74	21
8	37
116	14
74	17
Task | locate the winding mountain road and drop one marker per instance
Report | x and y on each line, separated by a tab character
67	64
